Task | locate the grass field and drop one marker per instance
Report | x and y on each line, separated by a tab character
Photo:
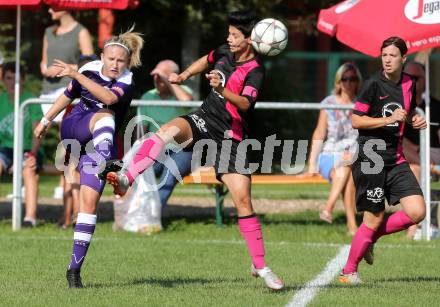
195	263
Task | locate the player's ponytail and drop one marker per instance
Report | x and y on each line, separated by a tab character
132	42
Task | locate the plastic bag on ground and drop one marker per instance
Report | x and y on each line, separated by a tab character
140	209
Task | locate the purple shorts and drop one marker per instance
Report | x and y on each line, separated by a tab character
76	126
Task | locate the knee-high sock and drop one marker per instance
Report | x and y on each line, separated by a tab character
395	222
361	240
250	229
85	226
145	157
103	133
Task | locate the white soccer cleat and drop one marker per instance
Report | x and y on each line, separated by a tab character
119	181
350	278
270	278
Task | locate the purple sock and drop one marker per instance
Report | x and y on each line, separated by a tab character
85	226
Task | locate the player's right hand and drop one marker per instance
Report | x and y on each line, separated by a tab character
40	131
399	115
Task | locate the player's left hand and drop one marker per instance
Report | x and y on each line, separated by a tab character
52	71
65	69
215	80
177	79
418	122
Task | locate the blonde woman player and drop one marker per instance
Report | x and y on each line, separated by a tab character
105	90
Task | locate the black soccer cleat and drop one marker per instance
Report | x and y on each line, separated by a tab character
73	277
114	165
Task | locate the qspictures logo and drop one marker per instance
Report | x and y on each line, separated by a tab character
423	11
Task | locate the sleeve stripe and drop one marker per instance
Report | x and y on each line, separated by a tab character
68	94
250	91
362	107
117	91
211	57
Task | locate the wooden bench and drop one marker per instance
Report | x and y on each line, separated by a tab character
207	176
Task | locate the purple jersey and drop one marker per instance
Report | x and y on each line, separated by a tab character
121	87
241	78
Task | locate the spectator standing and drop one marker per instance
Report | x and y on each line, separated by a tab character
67	40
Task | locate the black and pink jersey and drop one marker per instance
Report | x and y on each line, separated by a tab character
379	97
121	87
241	78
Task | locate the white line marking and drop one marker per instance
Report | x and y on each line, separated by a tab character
306	294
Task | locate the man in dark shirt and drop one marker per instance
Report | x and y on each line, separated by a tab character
411	140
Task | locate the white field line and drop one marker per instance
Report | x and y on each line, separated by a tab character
213	241
307	293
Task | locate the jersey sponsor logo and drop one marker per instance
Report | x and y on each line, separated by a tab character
423	11
388	110
384	97
375	195
200	122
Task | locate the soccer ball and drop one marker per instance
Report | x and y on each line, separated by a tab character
269	37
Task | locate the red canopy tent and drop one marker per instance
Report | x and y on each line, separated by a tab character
60	4
363	25
92	4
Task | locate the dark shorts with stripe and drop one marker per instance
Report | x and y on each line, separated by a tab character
391	183
225	154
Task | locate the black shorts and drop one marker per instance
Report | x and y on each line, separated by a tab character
224	154
392	184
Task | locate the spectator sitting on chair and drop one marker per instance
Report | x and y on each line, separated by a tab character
32	157
333	157
411	140
164	90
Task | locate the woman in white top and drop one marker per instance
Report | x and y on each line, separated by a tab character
334	144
